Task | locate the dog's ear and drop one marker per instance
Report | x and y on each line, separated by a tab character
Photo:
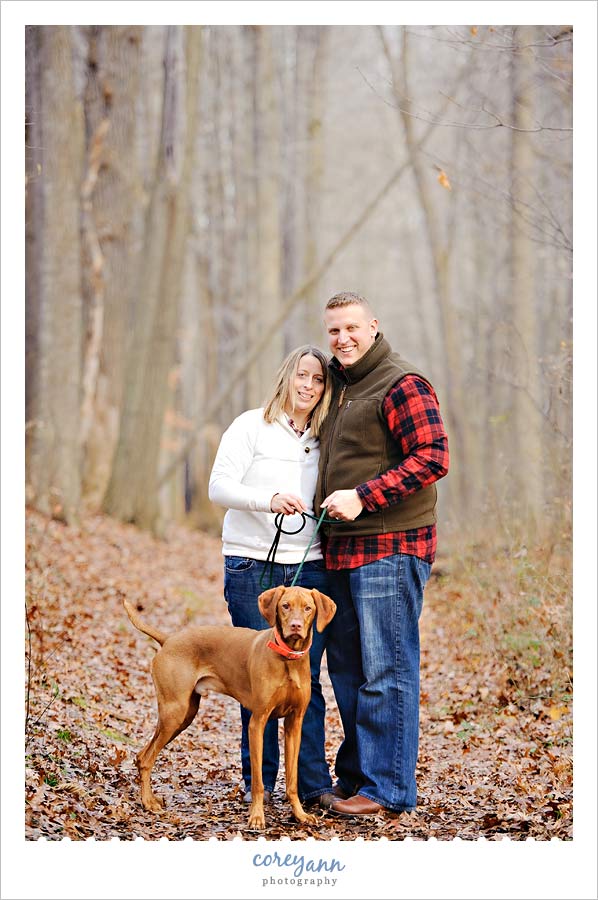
268	601
326	608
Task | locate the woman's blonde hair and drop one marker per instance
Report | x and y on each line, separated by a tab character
283	388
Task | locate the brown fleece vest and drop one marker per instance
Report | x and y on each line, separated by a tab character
356	444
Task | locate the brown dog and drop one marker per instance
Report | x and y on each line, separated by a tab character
266	671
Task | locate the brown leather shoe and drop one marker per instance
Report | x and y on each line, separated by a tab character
325	801
338	792
357	806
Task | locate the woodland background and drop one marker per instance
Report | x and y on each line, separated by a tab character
194	195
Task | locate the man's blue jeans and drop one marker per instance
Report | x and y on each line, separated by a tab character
373	662
242	587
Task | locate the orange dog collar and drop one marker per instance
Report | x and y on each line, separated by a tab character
279	646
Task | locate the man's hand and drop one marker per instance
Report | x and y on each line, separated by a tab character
344	505
288	504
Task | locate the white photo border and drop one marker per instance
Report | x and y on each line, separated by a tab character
188	869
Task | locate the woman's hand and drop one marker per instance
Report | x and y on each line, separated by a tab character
288	504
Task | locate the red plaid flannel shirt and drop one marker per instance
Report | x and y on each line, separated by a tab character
413	416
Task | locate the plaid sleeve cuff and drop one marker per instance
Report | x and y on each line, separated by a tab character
366	496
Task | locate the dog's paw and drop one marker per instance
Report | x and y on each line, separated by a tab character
256	823
307	818
299	814
154	804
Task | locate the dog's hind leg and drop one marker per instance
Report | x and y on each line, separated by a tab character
173	717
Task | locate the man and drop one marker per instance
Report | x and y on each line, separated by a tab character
383	446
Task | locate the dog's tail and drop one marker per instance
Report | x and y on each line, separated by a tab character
147	629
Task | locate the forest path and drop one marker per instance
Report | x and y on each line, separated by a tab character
490	765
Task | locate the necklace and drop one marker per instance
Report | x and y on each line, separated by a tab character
298	431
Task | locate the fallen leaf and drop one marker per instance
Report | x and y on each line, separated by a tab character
443	180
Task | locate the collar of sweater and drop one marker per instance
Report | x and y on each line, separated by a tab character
284	422
368	362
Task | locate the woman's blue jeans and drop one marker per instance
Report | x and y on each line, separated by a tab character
373	662
242	587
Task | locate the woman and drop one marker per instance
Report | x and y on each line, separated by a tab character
267	463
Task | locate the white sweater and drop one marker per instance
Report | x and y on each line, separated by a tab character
255	460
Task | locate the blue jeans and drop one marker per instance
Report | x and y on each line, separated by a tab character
373	661
241	589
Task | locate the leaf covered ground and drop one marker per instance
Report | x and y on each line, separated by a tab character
496	729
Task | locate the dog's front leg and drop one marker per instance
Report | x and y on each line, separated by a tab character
257	724
292	741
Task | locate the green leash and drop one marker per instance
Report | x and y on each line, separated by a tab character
270	559
319	522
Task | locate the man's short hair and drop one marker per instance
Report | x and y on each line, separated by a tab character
348	298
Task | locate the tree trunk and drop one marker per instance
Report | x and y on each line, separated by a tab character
54	274
33	223
267	262
112	213
526	426
452	389
317	41
132	493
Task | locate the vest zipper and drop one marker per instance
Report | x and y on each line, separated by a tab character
332	430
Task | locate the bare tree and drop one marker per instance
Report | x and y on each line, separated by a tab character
265	184
111	215
132	493
55	169
438	244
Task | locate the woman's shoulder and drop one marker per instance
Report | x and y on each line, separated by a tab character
246	423
251	415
